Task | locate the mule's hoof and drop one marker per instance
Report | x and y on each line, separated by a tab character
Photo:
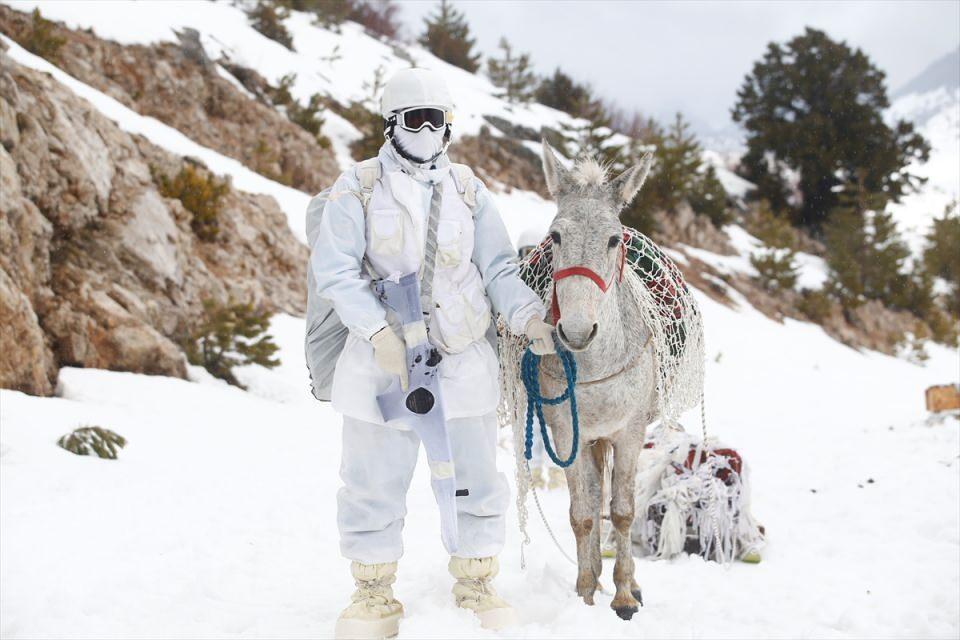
626	613
638	596
588	600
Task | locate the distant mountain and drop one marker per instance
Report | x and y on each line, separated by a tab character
945	72
931	101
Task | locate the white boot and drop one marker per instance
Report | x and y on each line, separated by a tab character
473	591
374	613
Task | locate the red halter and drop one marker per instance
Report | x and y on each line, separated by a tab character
587	272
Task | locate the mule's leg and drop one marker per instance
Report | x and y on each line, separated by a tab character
583	481
626	449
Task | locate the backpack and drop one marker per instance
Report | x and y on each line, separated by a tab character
325	334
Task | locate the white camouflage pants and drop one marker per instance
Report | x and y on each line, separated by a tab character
376	467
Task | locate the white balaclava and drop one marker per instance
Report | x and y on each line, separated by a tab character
422	145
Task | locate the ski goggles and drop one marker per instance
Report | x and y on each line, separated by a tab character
417	118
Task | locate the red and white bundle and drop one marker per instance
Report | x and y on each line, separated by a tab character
695	499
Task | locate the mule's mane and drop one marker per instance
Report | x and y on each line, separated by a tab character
588	172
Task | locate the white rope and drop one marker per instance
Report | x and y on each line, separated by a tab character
543	517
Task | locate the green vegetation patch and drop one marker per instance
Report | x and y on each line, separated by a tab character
88	441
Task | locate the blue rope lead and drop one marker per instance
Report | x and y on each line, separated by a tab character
530	374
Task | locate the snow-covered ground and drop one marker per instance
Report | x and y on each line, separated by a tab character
218	518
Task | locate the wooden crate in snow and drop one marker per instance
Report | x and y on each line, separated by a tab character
943	397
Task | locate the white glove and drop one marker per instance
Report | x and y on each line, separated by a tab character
540	334
391	354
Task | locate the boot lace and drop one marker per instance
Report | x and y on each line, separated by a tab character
372	592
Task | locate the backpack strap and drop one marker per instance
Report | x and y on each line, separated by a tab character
466	185
368	172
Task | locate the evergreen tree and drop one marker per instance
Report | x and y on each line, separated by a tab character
679	175
776	262
679	160
942	254
708	197
512	73
867	256
379	16
815	106
561	92
229	336
41	38
329	14
448	37
365	116
267	17
638	213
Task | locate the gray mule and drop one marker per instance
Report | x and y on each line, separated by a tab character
617	367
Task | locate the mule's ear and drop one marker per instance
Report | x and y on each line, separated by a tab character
554	172
626	185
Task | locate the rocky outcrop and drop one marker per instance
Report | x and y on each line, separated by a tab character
97	269
684	226
178	85
502	163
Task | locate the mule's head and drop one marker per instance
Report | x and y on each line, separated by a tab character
587	239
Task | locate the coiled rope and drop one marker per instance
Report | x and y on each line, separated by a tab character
530	374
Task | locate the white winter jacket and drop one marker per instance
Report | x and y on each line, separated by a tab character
475	265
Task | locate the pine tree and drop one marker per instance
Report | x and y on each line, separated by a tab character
678	174
229	336
41	38
677	163
847	249
365	116
561	92
512	73
329	14
814	108
447	36
267	17
708	197
942	254
379	16
866	254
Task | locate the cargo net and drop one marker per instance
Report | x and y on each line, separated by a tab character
669	311
695	498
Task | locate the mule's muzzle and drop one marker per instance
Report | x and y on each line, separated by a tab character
577	340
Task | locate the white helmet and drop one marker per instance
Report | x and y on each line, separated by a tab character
415	87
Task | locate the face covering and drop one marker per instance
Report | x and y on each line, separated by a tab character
422	145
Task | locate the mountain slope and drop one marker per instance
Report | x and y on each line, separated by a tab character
218	518
932	102
942	73
104	270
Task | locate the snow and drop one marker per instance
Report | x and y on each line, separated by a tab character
936	114
218	518
734	185
326	62
812	271
525	214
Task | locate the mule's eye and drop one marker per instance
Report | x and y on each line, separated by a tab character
613	241
555	237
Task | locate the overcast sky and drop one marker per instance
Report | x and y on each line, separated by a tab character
660	57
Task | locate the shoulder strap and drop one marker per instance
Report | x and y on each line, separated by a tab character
466	185
368	172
